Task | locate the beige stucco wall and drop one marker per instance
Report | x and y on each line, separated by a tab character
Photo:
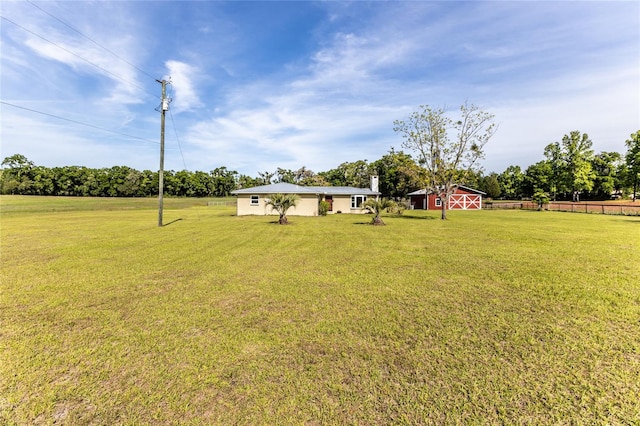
307	206
342	203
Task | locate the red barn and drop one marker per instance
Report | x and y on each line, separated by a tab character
463	198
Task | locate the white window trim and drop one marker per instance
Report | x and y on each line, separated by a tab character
354	201
438	202
252	202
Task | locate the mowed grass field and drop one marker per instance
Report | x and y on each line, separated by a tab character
491	317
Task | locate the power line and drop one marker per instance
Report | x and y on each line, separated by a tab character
89	38
175	130
184	163
76	55
78	122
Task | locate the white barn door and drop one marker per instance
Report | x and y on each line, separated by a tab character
465	201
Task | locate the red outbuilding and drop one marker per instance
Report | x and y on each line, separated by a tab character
463	198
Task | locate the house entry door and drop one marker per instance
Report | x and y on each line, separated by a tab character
329	199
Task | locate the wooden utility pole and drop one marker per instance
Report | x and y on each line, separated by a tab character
164	106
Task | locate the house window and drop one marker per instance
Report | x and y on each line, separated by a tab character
438	202
357	200
255	200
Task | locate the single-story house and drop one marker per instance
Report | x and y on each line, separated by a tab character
463	198
341	199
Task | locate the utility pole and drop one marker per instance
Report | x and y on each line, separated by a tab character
164	106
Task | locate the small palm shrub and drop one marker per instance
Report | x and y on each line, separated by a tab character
281	203
376	207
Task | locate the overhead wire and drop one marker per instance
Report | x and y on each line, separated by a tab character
78	122
175	130
99	67
89	38
184	163
78	56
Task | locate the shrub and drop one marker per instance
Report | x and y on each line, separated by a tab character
323	208
398	208
541	198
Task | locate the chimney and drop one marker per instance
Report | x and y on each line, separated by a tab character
374	183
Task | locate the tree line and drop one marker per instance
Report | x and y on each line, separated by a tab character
570	171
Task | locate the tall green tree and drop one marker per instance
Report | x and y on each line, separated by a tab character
511	183
398	174
605	166
17	175
281	203
446	159
556	162
201	184
265	177
307	177
148	184
473	179
70	181
490	185
130	186
43	181
537	178
245	181
334	177
632	160
285	175
571	164
356	174
577	153
224	181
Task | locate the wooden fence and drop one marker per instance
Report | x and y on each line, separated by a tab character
221	203
587	207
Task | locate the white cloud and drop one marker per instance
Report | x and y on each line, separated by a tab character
181	76
92	71
603	105
543	69
52	143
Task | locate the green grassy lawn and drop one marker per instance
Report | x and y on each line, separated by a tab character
491	317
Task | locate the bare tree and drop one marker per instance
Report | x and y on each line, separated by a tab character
446	159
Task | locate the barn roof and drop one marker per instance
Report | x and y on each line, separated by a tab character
289	188
466	188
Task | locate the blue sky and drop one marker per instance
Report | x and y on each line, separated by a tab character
261	85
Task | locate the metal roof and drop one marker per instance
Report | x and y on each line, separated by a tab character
424	191
289	188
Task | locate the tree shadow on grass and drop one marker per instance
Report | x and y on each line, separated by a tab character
398	217
406	216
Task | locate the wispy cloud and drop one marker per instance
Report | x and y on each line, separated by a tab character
321	83
181	76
